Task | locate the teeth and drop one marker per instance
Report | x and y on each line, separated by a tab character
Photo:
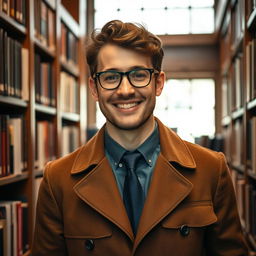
128	105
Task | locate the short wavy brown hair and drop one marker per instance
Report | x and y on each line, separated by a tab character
128	35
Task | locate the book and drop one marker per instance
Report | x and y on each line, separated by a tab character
51	29
43	24
6	215
69	93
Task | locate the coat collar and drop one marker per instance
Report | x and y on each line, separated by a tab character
176	151
168	187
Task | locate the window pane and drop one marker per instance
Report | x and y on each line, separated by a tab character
201	3
178	3
188	106
177	21
103	5
103	16
161	17
149	17
153	5
202	20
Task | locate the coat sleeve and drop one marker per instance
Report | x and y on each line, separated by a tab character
225	237
48	234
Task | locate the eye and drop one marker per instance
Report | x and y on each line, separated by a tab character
139	75
110	77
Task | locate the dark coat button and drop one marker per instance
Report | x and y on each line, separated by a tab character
184	230
89	244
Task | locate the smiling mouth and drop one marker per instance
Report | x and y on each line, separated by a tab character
127	105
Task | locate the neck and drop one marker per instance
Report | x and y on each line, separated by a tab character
131	139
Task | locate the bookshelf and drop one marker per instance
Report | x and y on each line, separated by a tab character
237	44
42	103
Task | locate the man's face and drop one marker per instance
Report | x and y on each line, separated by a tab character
126	107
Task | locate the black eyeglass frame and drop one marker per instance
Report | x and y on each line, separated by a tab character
151	71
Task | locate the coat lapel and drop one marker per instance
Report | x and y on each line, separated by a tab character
98	188
168	188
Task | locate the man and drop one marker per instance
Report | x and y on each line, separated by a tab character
177	199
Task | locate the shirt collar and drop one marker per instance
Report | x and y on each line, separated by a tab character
114	149
147	148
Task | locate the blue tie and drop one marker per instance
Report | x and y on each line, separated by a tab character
133	196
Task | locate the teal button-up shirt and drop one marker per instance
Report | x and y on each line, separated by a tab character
149	149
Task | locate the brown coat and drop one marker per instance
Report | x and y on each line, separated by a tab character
190	209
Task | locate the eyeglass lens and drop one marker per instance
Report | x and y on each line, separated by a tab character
112	79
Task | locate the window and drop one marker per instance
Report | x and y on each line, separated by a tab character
185	105
188	107
160	17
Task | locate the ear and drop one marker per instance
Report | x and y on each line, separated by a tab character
93	89
160	80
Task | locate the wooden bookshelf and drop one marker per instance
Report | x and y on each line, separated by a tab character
31	96
237	41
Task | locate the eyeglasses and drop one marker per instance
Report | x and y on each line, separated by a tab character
111	79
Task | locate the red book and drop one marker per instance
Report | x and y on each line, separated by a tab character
19	229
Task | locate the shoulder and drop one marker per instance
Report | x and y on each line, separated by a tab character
59	170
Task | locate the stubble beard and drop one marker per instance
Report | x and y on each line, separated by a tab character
125	127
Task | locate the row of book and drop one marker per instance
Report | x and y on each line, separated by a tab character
70	139
237	23
69	93
251	145
250	70
45	143
233	87
234	141
13	67
237	78
246	202
13	146
16	9
237	143
44	84
13	228
44	24
69	46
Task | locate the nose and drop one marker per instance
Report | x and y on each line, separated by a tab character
125	88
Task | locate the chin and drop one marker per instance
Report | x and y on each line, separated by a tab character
130	126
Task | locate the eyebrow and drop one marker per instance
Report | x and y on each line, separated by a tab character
117	69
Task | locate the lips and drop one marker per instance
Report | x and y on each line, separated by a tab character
127	105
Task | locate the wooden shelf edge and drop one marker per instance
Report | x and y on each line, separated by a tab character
70	68
252	20
51	4
45	109
237	113
69	21
11	23
44	49
251	104
226	121
13	178
220	13
73	117
239	168
27	253
39	173
237	46
12	101
251	174
252	241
